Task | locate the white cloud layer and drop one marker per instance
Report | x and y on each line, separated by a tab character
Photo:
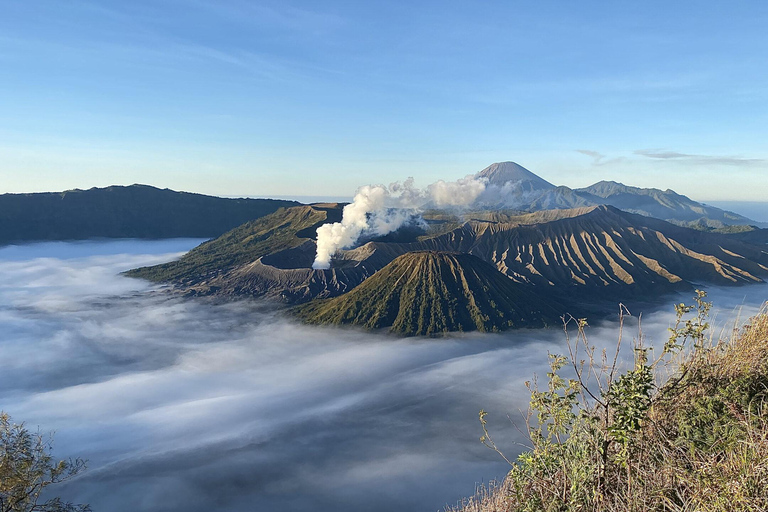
185	405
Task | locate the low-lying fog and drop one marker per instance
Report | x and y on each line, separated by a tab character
182	405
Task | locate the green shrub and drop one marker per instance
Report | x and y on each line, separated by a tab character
27	469
609	440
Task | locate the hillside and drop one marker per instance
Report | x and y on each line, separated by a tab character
602	248
589	253
752	236
136	211
429	293
283	229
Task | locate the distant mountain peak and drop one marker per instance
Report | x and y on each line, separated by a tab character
607	189
501	173
512	186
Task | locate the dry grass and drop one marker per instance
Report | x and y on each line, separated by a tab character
488	498
702	443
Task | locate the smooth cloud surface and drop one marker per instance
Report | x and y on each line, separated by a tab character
186	405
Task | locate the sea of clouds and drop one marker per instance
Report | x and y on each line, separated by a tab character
186	405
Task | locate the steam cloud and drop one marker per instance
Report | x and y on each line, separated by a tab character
378	210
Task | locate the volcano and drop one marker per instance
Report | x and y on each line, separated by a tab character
429	293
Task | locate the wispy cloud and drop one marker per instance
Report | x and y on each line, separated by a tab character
599	159
593	154
279	16
596	157
607	88
696	159
146	37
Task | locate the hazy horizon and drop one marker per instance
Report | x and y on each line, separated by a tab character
269	98
755	210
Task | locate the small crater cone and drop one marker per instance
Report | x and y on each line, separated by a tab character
429	293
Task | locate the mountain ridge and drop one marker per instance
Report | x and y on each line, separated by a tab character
278	231
535	194
134	211
593	254
143	211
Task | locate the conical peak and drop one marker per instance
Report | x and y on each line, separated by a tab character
501	173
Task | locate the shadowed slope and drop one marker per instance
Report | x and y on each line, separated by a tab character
137	211
429	293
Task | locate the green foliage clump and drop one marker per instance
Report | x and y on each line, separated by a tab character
637	440
27	469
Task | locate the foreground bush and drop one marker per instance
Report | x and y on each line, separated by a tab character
686	430
27	469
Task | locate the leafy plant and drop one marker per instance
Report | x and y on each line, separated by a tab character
687	430
27	469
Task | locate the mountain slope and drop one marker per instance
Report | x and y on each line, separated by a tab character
661	204
502	173
510	185
596	254
283	229
752	236
136	211
593	252
429	293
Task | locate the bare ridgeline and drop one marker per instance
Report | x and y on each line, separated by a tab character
551	249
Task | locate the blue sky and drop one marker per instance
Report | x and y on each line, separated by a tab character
316	98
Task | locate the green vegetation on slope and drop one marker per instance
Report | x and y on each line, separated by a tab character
283	229
429	293
137	211
754	236
615	441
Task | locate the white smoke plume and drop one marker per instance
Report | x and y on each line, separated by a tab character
456	193
511	194
378	210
